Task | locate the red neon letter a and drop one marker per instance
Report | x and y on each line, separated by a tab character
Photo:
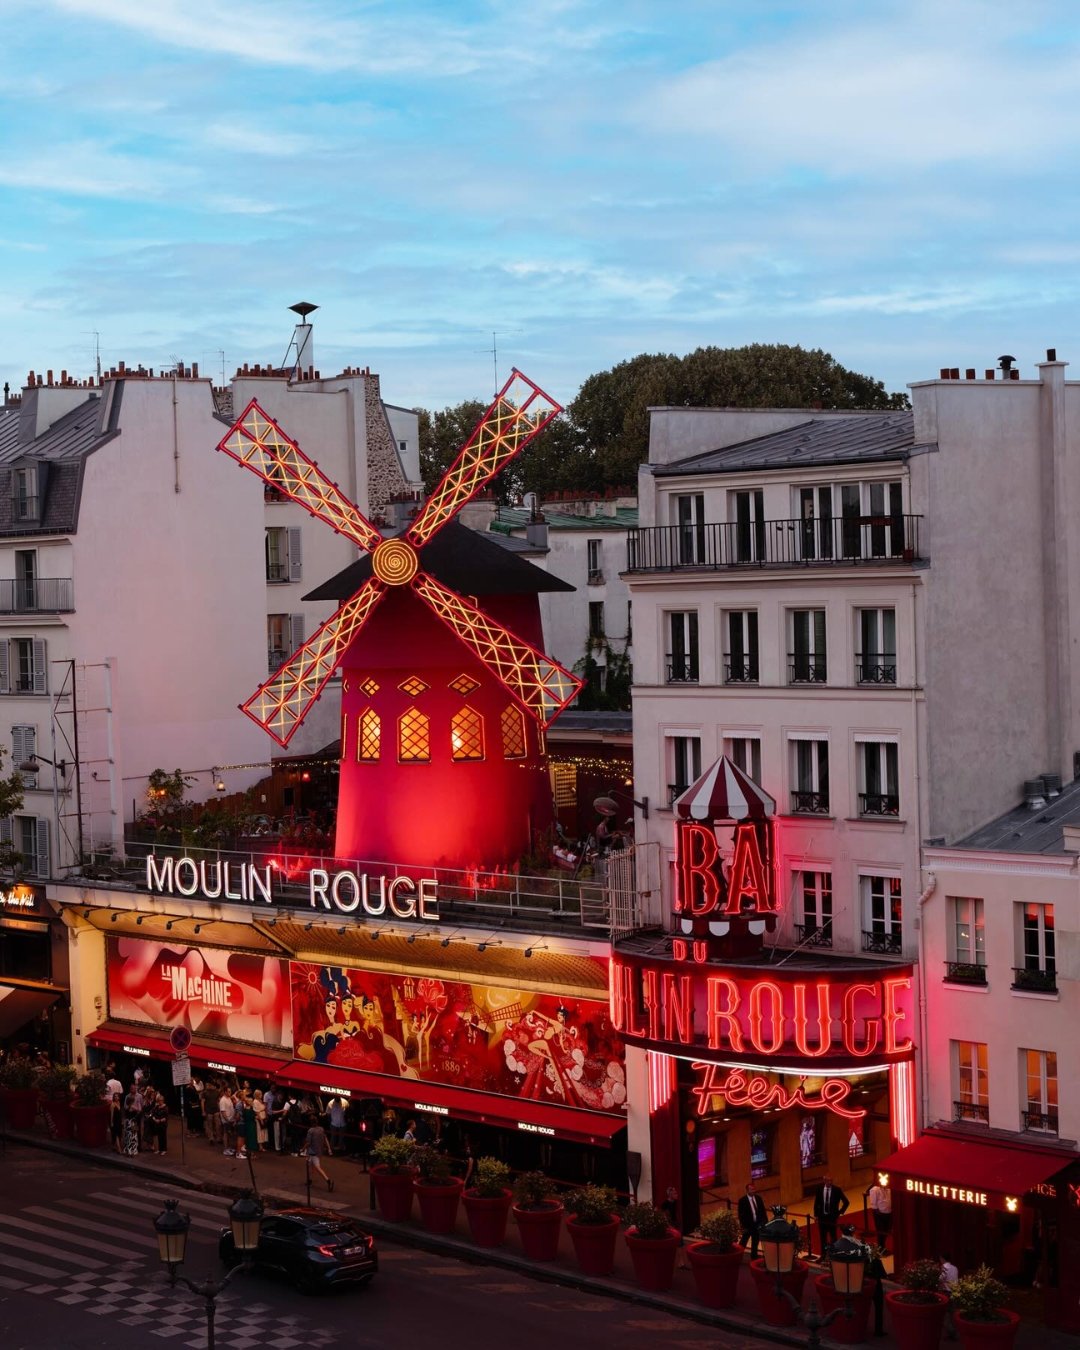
748	875
698	891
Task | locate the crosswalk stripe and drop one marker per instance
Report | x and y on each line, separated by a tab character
95	1244
153	1208
109	1230
214	1206
55	1251
34	1268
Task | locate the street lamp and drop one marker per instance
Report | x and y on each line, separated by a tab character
847	1264
172	1227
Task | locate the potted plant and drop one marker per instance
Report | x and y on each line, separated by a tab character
487	1202
392	1176
917	1311
18	1095
593	1225
716	1258
437	1189
538	1215
54	1087
90	1113
849	1330
977	1312
652	1243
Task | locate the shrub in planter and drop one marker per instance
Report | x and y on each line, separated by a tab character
18	1091
538	1215
54	1086
593	1225
90	1113
487	1202
392	1177
437	1189
917	1311
652	1244
978	1313
716	1258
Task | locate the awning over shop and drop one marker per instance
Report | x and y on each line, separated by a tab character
18	1004
488	1108
996	1168
220	1057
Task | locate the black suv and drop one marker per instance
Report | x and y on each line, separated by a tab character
314	1248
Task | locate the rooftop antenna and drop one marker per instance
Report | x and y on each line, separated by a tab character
494	350
97	352
222	355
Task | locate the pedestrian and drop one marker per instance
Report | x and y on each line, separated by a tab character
227	1112
830	1203
296	1124
262	1134
113	1085
116	1122
337	1124
211	1114
149	1134
880	1205
159	1122
277	1119
316	1147
875	1270
752	1217
193	1108
247	1128
410	1132
132	1114
139	1106
949	1276
670	1206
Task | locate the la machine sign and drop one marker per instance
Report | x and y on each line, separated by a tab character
341	892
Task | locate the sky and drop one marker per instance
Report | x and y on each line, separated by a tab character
583	179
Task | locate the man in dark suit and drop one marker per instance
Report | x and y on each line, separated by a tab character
751	1215
830	1203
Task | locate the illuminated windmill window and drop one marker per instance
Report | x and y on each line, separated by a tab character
369	687
513	733
467	734
464	685
367	744
414	737
564	784
412	686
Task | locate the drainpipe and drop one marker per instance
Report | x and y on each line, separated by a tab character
175	436
931	887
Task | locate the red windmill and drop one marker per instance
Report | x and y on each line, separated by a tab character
430	680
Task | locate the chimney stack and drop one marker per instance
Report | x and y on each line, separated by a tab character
304	365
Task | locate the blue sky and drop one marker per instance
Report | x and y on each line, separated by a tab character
895	182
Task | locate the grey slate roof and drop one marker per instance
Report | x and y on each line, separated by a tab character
607	720
827	440
517	517
60	451
1025	831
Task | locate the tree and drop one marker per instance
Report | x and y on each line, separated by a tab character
11	799
442	434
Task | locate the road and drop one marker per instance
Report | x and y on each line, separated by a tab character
79	1269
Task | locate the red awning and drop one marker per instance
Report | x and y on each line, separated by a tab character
724	792
489	1108
223	1057
977	1164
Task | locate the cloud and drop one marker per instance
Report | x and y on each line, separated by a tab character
83	168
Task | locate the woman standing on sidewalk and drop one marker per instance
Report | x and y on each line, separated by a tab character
316	1147
131	1124
262	1137
116	1121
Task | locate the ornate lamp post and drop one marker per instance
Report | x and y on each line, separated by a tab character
847	1264
172	1227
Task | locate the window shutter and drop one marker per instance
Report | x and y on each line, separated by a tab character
41	864
295	568
19	751
40	685
5	830
296	631
5	683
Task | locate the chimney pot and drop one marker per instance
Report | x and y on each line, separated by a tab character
970	373
954	373
1014	374
1051	353
988	375
944	372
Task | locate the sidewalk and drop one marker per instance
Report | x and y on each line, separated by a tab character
280	1181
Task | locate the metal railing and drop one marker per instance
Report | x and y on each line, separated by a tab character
276	657
741	670
965	972
875	669
596	577
814	935
807	803
837	542
879	804
682	669
40	595
277	571
883	943
976	1111
1045	1122
806	669
675	790
1035	980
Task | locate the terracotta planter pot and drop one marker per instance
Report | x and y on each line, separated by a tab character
393	1193
917	1326
974	1335
654	1259
594	1245
539	1230
438	1205
90	1125
20	1107
487	1217
846	1330
716	1274
776	1311
58	1118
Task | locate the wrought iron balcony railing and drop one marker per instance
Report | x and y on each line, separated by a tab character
879	804
976	1111
741	670
838	542
965	972
1036	981
277	571
682	669
806	669
275	658
813	934
884	942
875	669
806	803
1045	1122
43	595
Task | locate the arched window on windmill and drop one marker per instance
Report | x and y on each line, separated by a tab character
367	741
513	732
414	737
467	734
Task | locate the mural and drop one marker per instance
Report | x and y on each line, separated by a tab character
211	992
515	1042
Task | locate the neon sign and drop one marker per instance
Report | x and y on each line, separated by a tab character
19	897
941	1192
757	1092
703	889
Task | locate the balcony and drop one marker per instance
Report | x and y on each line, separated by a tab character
879	804
807	803
883	942
741	670
276	658
682	669
875	669
978	1112
806	669
45	595
1034	980
965	972
814	935
277	571
1042	1122
843	542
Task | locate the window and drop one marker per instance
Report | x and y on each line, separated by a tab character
283	554
1036	968
814	505
971	1081
25	504
594	552
684	757
813	901
284	634
29	835
22	666
367	741
629	619
875	652
466	735
689	512
806	661
878	774
748	517
596	618
882	914
872	520
23	748
741	654
745	753
414	741
809	776
1039	1083
26	597
564	784
682	657
513	732
966	941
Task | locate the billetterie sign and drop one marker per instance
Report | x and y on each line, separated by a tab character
341	892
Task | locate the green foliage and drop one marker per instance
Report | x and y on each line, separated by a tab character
721	1229
17	1072
921	1277
534	1190
90	1088
979	1295
615	693
592	1204
55	1081
432	1167
491	1178
442	435
393	1153
647	1221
